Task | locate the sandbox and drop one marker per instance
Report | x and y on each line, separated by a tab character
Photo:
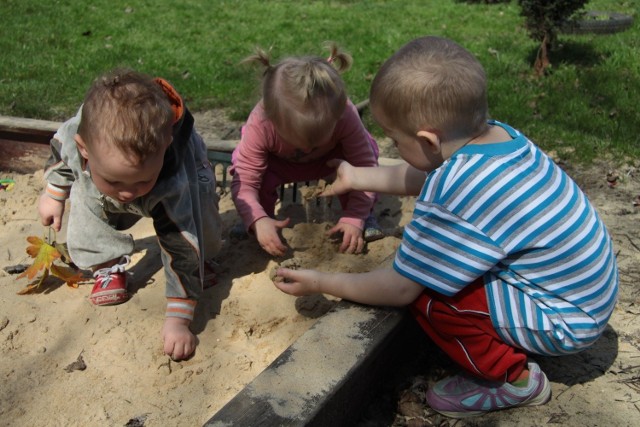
244	325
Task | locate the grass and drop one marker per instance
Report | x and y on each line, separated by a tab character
585	107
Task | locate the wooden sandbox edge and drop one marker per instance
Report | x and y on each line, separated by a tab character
279	397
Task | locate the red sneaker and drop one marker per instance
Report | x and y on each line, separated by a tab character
111	285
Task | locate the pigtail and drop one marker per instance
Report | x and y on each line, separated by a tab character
339	59
307	90
260	57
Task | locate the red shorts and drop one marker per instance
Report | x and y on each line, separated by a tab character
462	328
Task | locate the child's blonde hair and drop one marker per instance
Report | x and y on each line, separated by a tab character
304	93
432	83
128	110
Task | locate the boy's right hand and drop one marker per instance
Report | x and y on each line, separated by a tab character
268	234
298	282
344	178
51	211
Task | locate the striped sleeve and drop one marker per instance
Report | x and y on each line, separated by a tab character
443	252
56	192
181	307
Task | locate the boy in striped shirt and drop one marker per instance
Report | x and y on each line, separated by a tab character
504	258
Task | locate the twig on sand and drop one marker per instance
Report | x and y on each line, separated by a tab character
631	241
562	392
633	382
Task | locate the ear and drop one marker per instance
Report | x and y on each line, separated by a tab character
431	139
82	147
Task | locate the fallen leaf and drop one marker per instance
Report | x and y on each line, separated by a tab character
69	275
64	252
137	421
78	365
44	256
612	178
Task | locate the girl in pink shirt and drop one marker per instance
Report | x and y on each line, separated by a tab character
303	121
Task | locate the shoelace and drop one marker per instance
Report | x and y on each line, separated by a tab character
116	268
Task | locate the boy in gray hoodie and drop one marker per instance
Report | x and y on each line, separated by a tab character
131	152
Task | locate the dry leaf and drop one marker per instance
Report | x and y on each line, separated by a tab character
69	275
44	256
78	365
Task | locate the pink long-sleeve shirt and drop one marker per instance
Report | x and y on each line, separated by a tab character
260	141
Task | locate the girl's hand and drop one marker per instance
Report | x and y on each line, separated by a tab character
344	178
179	341
268	234
298	282
352	240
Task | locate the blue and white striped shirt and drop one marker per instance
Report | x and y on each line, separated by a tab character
507	213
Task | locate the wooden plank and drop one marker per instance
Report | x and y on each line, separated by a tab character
286	393
222	145
360	106
22	157
31	130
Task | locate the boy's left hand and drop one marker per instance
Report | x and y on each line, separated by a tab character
352	240
179	341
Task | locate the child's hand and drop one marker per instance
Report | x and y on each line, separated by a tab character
51	211
179	341
344	178
298	282
268	234
352	240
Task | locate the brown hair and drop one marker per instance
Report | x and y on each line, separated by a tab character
127	110
307	92
432	83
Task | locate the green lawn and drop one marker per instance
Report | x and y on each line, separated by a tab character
52	50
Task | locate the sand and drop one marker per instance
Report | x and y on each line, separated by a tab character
243	323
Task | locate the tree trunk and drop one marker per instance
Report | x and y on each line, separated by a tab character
542	58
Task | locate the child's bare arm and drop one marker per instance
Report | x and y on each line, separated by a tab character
380	287
400	179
